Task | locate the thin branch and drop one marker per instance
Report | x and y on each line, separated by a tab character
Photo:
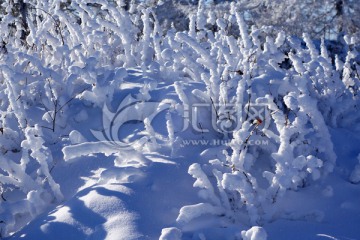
212	102
57	22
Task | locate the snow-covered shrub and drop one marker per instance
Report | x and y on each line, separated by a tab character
49	66
29	192
334	87
251	72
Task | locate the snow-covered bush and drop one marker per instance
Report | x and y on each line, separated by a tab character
26	179
44	72
293	82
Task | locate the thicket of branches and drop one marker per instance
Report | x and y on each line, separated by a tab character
329	19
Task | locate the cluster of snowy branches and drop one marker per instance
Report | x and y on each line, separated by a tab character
64	57
303	92
321	18
77	54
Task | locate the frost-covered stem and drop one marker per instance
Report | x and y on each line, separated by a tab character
55	102
313	52
34	144
179	91
74	30
192	67
239	145
157	34
243	31
206	60
338	63
12	96
202	181
309	105
56	22
246	186
146	38
225	52
201	16
223	195
151	132
223	96
192	26
283	156
347	79
170	128
239	102
280	39
17	175
121	18
324	52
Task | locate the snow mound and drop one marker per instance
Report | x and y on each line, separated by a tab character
170	234
254	233
94	213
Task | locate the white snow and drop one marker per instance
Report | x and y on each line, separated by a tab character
170	234
113	128
254	233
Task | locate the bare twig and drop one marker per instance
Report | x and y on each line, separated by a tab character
212	102
57	107
2	197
